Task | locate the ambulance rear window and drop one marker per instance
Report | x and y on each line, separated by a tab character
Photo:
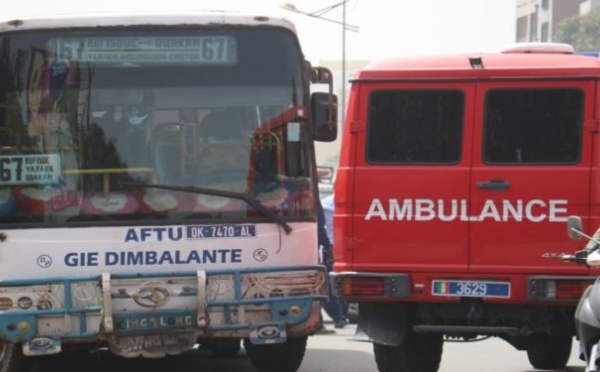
415	126
533	126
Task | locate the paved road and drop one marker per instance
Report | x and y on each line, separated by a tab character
336	353
326	353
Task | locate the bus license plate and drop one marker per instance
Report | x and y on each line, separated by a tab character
152	343
470	288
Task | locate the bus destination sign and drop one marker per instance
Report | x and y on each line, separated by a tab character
188	50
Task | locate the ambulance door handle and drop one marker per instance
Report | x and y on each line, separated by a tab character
493	185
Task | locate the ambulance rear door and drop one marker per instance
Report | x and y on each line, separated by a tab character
531	169
413	177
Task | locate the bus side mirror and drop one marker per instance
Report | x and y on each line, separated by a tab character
324	116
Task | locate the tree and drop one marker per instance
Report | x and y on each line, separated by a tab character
582	32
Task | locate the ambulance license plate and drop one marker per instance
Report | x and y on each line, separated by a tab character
470	288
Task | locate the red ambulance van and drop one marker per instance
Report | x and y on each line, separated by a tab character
457	174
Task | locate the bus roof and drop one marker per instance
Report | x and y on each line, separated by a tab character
476	66
191	18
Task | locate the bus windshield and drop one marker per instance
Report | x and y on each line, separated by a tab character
91	121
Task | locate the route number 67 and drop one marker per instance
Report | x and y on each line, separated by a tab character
11	169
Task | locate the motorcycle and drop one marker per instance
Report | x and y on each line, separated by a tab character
587	314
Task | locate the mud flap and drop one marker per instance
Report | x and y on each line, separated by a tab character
360	335
383	323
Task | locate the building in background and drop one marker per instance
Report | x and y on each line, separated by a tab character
537	19
588	5
328	153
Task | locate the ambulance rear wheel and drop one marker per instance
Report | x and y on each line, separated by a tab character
417	353
550	351
12	358
284	357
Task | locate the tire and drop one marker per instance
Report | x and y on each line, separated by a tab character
225	347
284	357
417	353
12	358
550	351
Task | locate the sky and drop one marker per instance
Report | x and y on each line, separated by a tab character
386	27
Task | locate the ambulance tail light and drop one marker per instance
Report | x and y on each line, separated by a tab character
371	285
558	289
365	286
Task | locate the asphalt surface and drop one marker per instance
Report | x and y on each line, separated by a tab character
334	352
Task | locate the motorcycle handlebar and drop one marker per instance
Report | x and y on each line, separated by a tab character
580	257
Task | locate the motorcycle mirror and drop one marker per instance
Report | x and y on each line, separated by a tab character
574	227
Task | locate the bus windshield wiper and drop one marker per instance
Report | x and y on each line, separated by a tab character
228	194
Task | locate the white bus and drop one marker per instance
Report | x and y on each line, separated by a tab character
158	186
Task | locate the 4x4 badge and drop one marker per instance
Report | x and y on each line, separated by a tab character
552	255
152	295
